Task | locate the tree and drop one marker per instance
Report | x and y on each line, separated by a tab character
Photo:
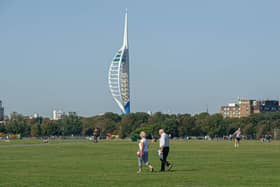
50	128
35	130
130	125
186	123
17	124
71	125
131	122
2	128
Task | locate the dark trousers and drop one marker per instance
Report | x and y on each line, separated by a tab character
164	161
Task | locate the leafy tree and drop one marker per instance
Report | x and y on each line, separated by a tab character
35	130
50	128
130	125
17	124
2	128
71	125
185	125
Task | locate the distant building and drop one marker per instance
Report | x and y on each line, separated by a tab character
72	113
246	107
2	117
266	106
149	112
57	114
34	116
230	111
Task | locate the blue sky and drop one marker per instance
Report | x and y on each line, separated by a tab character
184	55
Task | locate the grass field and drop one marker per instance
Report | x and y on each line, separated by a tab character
114	163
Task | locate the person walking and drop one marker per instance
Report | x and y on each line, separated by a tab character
237	135
142	153
164	147
96	134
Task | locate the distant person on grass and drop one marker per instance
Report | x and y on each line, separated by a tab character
237	135
164	150
96	134
142	153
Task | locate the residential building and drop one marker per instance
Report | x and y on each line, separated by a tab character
230	111
57	114
267	106
34	116
246	107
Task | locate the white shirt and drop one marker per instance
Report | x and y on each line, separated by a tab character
164	140
238	134
145	145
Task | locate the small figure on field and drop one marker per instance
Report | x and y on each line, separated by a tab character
96	134
45	140
237	135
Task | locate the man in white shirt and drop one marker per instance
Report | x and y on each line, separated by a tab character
164	150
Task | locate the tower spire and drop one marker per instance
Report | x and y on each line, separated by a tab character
125	34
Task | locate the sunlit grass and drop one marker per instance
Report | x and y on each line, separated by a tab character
114	163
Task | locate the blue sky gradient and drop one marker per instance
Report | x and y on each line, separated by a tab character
184	55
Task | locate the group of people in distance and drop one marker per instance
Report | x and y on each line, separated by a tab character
163	151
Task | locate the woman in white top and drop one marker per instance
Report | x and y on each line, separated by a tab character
142	153
237	135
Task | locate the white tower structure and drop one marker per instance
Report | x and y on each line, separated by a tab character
118	76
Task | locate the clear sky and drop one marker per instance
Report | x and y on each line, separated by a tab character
184	54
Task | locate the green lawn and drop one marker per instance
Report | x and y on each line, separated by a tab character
114	163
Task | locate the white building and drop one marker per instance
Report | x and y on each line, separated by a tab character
57	115
34	116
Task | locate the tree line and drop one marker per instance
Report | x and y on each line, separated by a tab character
180	125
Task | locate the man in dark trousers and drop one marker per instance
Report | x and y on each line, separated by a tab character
164	150
96	134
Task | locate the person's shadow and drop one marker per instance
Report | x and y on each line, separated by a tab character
183	170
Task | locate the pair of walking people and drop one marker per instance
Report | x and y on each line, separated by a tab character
164	147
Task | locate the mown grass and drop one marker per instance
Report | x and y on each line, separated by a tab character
114	163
